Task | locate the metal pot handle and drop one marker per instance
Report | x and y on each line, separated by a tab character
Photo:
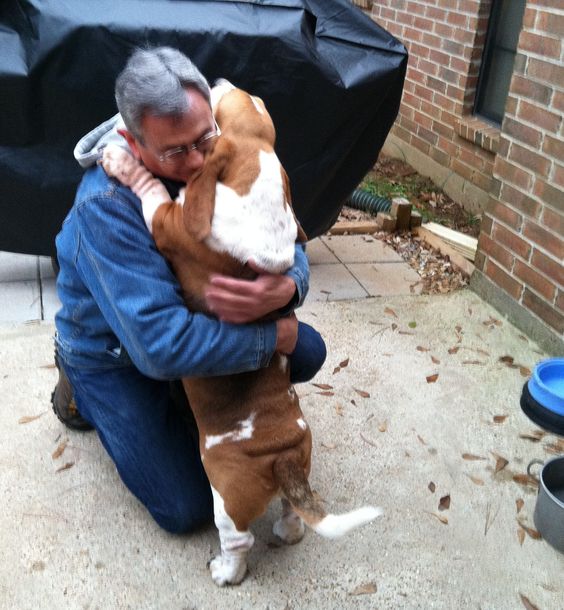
531	464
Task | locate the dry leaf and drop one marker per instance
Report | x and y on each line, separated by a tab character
60	449
420	348
432	487
476	480
532	532
556	447
344	363
329	445
432	378
472	362
521	535
506	359
471	457
421	440
499	419
458	328
323	386
519	504
525	372
367	440
383	426
444	502
27	418
500	462
336	369
534	436
435	360
482	351
525	479
339	409
47	366
327	393
405	332
527	603
394	326
353	402
362	393
441	518
453	350
365	589
390	312
65	466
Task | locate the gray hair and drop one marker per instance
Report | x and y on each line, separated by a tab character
154	81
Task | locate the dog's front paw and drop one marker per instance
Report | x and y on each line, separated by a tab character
118	163
228	571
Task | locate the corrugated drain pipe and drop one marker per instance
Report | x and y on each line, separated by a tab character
361	200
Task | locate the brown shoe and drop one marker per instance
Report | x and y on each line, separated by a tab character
64	405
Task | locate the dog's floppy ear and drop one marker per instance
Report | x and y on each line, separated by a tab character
199	202
301	237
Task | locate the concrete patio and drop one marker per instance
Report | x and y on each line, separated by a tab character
415	384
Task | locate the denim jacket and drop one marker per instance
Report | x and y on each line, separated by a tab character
121	303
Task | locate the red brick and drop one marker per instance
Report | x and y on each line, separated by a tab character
521	201
503	279
543	310
412	35
534	280
545	239
420	144
553	147
424	92
548	193
551	23
531	89
489	246
501	212
521	132
482	180
487	225
431	40
517	176
558	176
480	261
415	8
436	14
512	241
539	116
442	129
462	169
558	100
530	159
554	270
549	72
553	221
436	84
539	45
405	18
560	300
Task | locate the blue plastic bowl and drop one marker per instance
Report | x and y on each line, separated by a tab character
546	385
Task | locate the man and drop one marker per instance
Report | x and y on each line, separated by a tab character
123	331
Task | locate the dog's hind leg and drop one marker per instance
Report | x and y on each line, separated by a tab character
290	527
229	567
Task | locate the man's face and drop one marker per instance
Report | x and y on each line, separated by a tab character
162	135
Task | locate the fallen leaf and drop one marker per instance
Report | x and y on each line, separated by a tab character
435	360
499	419
471	457
534	436
432	487
506	359
353	402
339	409
327	393
336	369
344	363
362	393
453	350
521	535
519	504
525	479
367	440
420	348
65	466
47	366
28	418
525	372
394	326
444	502
500	462
556	447
405	332
421	440
475	480
329	445
432	378
60	449
412	325
458	328
472	362
383	426
323	386
482	351
532	532
390	312
441	518
365	589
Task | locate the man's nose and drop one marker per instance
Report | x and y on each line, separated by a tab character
195	160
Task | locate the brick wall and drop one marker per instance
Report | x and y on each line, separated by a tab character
521	248
518	169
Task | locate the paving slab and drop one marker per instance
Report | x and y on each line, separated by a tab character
75	538
20	301
330	282
360	249
17	267
386	279
318	253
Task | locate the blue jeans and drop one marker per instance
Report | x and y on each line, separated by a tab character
153	441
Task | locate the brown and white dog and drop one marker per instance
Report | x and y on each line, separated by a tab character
254	441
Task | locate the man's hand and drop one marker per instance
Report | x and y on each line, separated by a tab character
240	301
286	334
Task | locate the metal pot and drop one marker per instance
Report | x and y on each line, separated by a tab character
549	509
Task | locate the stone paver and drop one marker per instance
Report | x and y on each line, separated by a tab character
360	249
386	279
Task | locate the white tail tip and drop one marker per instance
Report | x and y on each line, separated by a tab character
333	526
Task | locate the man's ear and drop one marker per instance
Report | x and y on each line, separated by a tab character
131	142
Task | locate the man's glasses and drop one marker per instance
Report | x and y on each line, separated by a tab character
203	145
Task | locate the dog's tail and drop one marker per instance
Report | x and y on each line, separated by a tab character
295	487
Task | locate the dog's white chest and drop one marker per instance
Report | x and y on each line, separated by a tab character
259	225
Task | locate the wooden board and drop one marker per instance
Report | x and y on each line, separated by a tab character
354	227
457	260
465	244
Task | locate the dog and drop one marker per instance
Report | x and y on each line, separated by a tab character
253	435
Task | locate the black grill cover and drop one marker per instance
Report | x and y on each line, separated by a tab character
331	78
